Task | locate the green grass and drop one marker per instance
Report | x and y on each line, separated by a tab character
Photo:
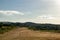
34	29
4	29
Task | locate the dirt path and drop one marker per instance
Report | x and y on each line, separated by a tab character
25	34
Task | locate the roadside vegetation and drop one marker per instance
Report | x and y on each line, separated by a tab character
4	29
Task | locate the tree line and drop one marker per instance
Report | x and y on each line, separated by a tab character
32	25
5	26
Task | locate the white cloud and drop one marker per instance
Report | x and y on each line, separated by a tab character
11	12
45	17
10	15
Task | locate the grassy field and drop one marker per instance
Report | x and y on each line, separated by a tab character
26	34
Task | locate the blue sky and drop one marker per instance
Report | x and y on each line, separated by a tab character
20	5
30	10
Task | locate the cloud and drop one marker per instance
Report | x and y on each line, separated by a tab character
45	17
11	12
10	15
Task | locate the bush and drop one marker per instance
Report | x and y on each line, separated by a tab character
4	29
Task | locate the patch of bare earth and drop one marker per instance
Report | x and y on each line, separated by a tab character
26	34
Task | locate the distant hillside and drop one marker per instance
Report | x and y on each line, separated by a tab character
30	25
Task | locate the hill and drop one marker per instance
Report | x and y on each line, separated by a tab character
6	26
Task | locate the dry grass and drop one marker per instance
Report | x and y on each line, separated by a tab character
25	34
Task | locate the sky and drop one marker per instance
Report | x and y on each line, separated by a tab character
39	11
